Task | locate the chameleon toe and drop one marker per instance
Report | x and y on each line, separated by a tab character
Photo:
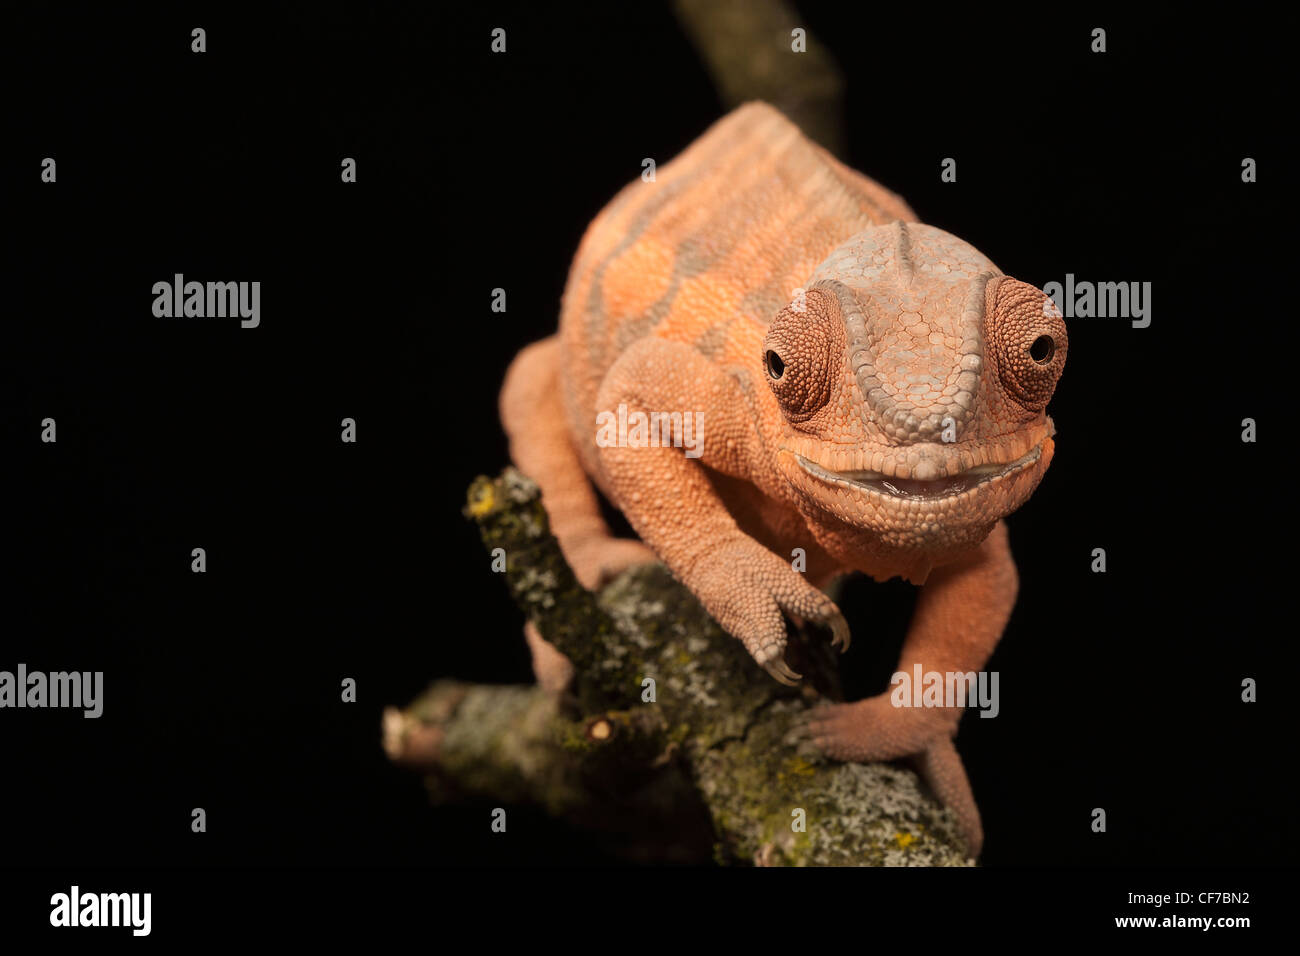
780	670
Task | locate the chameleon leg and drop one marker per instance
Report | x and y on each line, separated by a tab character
674	507
940	766
553	670
960	615
541	447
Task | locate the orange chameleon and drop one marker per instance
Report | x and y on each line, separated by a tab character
864	387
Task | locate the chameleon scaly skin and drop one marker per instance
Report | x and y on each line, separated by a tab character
872	391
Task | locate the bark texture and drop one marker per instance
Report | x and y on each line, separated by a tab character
708	768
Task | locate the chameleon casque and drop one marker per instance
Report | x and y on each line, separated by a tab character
885	420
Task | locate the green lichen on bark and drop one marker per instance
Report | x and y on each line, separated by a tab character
734	723
708	768
510	516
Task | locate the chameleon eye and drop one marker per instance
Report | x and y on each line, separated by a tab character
1042	349
1029	342
775	367
798	356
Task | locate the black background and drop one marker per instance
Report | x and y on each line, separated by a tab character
477	171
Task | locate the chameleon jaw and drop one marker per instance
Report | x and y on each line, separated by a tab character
876	527
938	489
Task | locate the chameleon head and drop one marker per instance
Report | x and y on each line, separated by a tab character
913	379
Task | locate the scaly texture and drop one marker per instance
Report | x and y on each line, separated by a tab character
868	394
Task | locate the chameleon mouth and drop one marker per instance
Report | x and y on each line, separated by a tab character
952	486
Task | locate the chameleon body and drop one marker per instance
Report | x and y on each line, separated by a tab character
870	395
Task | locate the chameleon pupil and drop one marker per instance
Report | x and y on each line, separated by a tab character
775	367
1042	349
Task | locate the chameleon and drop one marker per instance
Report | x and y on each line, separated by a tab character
870	396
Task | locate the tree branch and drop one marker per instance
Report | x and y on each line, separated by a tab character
706	768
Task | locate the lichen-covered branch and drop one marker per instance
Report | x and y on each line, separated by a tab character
673	743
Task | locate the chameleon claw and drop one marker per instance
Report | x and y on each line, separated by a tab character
840	636
781	671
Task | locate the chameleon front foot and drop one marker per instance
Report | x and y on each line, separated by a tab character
750	592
